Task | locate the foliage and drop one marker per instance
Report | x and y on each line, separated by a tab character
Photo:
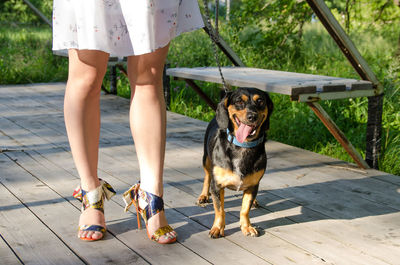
270	26
366	15
26	56
287	41
18	12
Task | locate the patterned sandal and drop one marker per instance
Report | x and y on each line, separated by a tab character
154	205
94	199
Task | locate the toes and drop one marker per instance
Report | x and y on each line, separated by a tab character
168	238
255	204
249	231
96	235
216	232
202	200
90	235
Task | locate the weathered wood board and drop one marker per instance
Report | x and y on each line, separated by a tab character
314	209
287	83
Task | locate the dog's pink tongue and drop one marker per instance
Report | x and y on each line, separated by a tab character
242	132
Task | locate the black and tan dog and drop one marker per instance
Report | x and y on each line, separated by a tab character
234	153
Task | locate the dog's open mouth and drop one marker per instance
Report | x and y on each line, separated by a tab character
244	130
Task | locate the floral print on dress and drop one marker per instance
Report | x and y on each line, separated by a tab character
122	27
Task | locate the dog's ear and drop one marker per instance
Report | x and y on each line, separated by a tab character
222	115
270	106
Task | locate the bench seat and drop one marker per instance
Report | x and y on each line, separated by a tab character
300	87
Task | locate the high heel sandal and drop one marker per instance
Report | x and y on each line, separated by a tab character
154	205
94	199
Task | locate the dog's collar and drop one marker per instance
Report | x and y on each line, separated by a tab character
232	139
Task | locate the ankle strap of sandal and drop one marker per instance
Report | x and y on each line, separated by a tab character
152	204
94	198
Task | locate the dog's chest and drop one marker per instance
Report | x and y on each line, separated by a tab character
226	178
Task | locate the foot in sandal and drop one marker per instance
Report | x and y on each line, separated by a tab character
151	208
91	222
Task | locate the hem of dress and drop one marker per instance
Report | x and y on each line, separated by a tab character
63	51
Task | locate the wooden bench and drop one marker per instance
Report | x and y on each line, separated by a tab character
113	63
300	87
307	88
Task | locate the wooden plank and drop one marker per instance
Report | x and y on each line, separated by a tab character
281	82
284	217
148	250
29	238
269	247
332	95
109	166
115	213
267	222
185	204
179	197
6	254
194	242
126	230
360	235
48	206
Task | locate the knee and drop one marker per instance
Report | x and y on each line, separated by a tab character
85	85
149	77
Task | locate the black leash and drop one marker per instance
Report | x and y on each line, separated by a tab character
214	35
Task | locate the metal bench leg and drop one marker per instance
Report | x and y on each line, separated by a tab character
338	134
167	87
200	92
374	130
113	80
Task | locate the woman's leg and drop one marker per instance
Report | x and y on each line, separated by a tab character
82	120
148	124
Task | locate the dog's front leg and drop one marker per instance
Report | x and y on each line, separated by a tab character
204	196
217	230
249	196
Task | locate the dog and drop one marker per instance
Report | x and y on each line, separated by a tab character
234	154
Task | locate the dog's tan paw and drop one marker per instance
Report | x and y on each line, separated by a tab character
202	201
216	232
249	231
255	204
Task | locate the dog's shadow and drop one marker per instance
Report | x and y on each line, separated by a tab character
341	199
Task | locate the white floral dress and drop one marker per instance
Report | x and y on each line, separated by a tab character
122	27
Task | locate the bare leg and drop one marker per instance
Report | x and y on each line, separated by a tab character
82	120
148	124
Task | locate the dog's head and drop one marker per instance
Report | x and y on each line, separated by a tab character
245	112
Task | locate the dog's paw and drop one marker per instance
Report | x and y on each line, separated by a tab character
249	231
216	232
255	204
202	201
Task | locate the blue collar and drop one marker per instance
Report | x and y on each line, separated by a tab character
232	139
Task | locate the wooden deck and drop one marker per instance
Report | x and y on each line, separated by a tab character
314	209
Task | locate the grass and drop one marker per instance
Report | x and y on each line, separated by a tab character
26	57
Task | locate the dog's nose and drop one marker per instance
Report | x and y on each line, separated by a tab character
252	116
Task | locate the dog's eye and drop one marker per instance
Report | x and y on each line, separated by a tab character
260	102
239	104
